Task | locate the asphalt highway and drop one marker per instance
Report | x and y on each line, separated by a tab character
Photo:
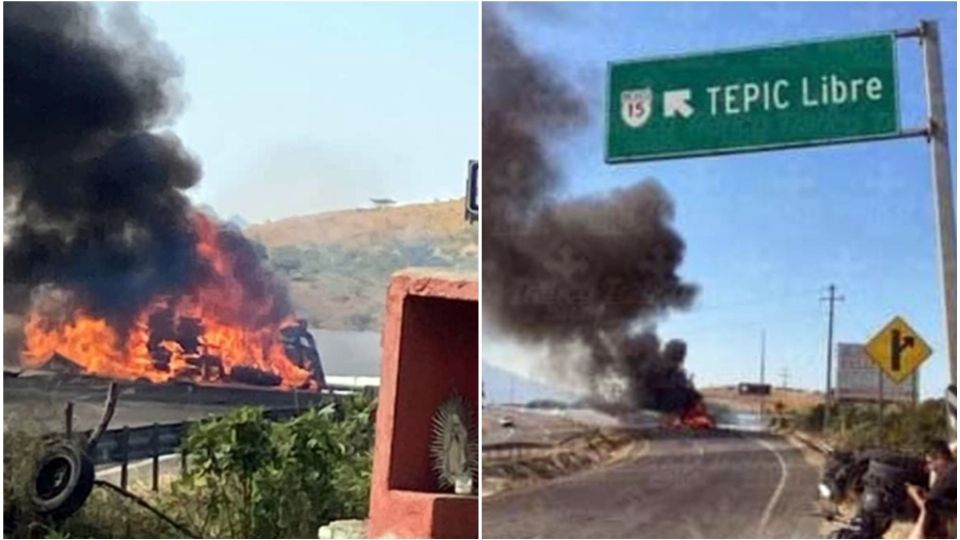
721	484
36	402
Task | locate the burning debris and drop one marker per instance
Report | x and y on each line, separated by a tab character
594	271
105	256
695	417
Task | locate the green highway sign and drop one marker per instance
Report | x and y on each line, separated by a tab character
800	94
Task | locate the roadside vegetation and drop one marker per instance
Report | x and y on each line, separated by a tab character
352	278
248	478
905	427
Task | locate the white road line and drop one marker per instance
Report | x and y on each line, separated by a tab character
135	465
784	474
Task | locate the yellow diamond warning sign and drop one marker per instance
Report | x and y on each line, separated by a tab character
898	350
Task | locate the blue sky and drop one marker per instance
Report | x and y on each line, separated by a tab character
767	232
295	108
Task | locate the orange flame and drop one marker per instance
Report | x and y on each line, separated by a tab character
695	417
232	330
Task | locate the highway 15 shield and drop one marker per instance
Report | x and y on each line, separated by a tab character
898	350
635	107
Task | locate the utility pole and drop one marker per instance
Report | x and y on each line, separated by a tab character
763	357
785	378
763	371
832	299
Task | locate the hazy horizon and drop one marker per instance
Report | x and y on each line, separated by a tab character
294	109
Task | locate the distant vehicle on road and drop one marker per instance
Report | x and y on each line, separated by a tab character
507	422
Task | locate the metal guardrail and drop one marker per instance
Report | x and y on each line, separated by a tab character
122	445
133	443
127	444
494	447
517	449
514	450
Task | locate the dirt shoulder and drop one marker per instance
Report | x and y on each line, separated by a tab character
792	399
507	468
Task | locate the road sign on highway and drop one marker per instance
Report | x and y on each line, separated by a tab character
801	94
898	350
859	378
472	210
753	389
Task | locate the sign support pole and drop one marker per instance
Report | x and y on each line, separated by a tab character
880	404
943	182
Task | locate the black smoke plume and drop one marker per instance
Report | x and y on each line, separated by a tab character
595	271
93	186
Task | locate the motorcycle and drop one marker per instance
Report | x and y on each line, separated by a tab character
878	480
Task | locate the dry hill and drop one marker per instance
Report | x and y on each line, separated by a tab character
367	226
338	263
792	399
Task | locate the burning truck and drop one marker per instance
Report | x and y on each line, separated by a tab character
211	334
111	267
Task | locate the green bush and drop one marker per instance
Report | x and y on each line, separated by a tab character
250	478
905	427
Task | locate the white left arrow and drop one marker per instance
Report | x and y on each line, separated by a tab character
677	102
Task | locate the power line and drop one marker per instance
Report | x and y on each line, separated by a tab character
754	302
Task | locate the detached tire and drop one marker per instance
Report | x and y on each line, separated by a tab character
62	482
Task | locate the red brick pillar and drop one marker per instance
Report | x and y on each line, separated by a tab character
429	352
